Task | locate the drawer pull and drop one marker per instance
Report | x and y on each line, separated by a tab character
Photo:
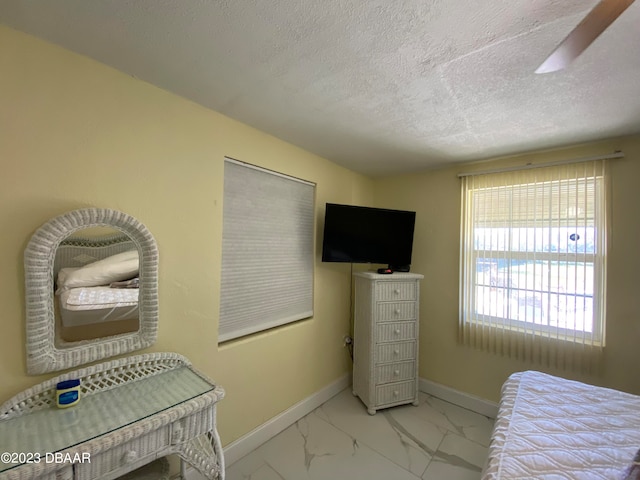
130	456
177	433
396	291
397	331
396	393
396	372
397	312
396	352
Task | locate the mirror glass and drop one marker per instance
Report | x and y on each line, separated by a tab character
91	279
96	285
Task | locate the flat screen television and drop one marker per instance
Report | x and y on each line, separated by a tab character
368	235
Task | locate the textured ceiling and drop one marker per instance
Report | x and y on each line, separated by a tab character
378	86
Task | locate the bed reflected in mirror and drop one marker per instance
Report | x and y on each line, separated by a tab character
96	286
91	289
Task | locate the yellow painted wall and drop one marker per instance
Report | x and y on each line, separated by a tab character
75	133
435	196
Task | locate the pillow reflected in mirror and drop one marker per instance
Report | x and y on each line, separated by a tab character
122	266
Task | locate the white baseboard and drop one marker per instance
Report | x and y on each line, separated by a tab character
252	440
465	400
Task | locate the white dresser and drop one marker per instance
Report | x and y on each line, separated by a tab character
385	361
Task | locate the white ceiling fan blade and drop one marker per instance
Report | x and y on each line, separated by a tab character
596	22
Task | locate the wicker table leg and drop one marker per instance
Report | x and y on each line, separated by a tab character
204	453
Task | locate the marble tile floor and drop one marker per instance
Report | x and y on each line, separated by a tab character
339	440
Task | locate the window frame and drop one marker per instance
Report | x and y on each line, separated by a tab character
470	256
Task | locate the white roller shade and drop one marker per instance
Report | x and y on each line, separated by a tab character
267	250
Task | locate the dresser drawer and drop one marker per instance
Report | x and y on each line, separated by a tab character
395	392
389	312
395	332
390	291
126	454
395	372
395	352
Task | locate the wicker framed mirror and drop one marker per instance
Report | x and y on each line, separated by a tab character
108	261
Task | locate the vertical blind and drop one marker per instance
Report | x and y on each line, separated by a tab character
267	250
533	263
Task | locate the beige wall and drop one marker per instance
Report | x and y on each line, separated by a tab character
435	196
75	133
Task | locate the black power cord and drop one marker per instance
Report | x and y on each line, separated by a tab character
349	340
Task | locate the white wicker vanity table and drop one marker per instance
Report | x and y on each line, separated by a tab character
132	411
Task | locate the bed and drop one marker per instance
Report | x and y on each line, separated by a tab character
551	428
96	280
87	305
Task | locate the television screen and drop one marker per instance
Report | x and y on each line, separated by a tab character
368	235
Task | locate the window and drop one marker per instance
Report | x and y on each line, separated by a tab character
267	250
533	257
